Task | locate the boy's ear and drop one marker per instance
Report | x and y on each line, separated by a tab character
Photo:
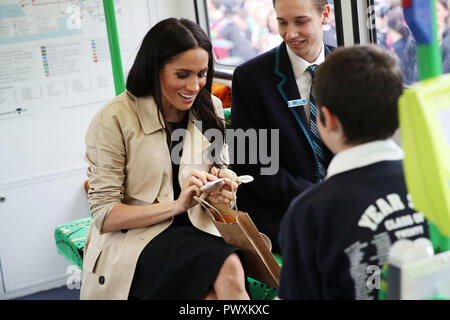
329	121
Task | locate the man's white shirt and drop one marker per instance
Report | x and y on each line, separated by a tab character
302	76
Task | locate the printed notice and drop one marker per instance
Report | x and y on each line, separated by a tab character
54	55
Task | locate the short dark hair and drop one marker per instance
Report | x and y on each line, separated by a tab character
165	40
361	85
320	4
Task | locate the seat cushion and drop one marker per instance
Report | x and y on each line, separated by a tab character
70	238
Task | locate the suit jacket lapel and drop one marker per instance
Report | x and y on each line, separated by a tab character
328	50
287	87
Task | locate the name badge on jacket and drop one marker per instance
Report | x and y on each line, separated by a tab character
297	103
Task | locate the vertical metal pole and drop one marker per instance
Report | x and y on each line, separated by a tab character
114	47
429	55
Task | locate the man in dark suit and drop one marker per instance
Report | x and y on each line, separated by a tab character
272	91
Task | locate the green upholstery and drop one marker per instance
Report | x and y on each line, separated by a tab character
70	238
227	113
260	290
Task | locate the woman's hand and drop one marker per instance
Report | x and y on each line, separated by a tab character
190	188
226	194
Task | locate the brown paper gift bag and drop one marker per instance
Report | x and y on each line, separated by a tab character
237	229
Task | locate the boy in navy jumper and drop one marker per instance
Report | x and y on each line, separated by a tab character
336	236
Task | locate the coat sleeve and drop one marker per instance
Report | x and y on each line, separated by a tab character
105	154
248	113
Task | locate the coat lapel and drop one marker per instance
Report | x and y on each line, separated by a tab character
148	113
194	149
195	143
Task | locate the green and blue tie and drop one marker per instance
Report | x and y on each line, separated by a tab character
323	156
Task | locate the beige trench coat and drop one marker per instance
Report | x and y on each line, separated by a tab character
129	162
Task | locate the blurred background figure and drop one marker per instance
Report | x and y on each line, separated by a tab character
242	29
443	17
381	11
272	38
232	35
215	16
394	35
214	13
397	31
402	43
329	30
257	11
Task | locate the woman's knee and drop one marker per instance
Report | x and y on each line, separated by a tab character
230	282
232	268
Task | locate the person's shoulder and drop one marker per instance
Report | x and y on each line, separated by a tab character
123	100
217	103
121	109
309	199
376	171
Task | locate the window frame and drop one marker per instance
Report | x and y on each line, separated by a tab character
221	71
351	27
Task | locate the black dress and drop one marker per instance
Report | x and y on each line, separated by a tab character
181	262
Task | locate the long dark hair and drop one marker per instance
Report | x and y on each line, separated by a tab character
160	45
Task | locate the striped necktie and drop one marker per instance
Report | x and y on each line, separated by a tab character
323	156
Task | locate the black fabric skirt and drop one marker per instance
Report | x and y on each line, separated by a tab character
181	263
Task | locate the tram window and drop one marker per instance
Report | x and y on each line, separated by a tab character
242	29
394	35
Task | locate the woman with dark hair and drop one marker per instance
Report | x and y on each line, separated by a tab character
397	30
148	238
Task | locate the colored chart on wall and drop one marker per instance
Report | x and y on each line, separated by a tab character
54	55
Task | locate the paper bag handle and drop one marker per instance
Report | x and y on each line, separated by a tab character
207	206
